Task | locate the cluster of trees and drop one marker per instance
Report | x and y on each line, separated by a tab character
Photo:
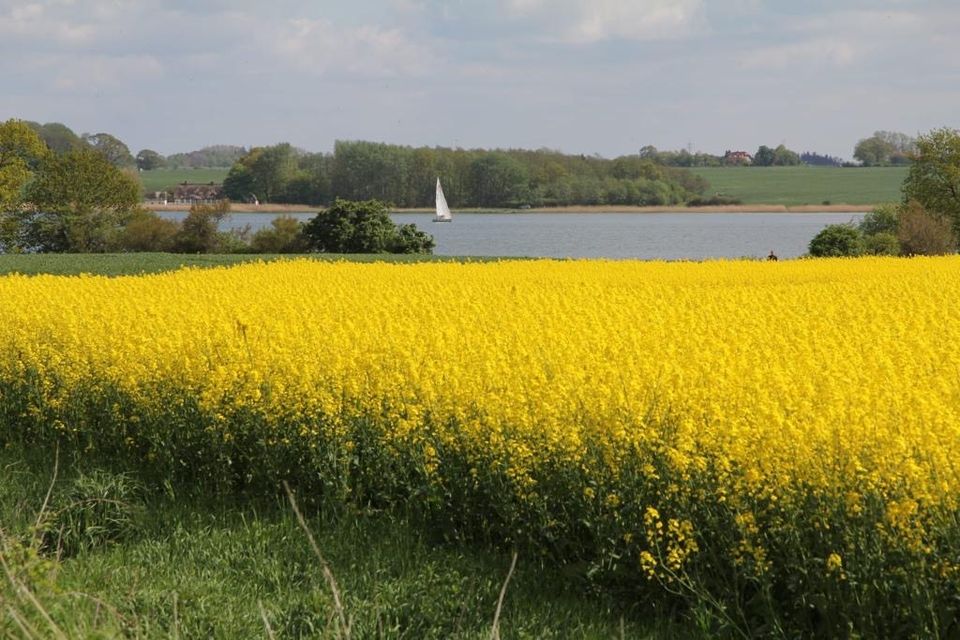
59	138
218	156
58	201
80	200
405	176
925	222
681	158
818	160
884	149
344	227
777	157
764	157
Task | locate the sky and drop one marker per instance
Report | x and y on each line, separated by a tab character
580	76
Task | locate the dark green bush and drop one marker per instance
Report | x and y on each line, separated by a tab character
837	240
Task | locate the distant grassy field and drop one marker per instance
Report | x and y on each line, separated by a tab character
161	179
806	185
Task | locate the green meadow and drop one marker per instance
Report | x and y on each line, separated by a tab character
806	185
167	179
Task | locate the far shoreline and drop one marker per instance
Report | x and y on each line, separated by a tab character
731	208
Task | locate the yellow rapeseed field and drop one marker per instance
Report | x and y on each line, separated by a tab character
638	388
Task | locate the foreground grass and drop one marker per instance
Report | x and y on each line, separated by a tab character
806	185
245	568
117	264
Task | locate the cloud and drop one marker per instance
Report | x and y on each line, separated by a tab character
31	23
590	21
94	73
812	53
319	47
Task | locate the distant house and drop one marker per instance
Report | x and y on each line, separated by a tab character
737	158
188	193
158	197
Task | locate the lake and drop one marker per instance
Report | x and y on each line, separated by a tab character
666	236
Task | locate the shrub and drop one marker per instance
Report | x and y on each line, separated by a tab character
199	230
881	244
717	200
283	236
146	231
883	219
921	233
837	240
362	227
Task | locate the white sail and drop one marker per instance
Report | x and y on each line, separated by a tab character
443	211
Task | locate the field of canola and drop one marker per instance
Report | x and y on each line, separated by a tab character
774	445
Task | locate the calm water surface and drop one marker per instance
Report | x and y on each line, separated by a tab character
667	236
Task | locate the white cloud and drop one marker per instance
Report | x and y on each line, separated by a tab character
589	21
319	47
31	23
818	52
92	73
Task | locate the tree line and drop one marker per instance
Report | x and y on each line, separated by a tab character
78	199
882	149
405	176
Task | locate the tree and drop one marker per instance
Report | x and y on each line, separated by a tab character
882	219
837	240
763	157
498	180
199	231
884	148
409	239
881	244
362	227
903	146
283	236
921	233
272	170
239	184
934	177
146	231
21	152
220	156
149	159
58	137
783	157
77	201
873	152
111	148
264	173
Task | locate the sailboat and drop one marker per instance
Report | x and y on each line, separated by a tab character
443	211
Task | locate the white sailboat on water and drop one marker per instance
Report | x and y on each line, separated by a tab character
443	211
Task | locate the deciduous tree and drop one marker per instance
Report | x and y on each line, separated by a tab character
148	159
362	227
77	201
21	151
934	177
111	148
